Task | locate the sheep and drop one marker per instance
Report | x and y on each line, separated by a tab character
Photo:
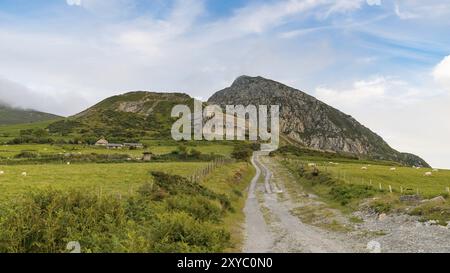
68	163
364	168
312	165
24	174
393	169
428	174
2	172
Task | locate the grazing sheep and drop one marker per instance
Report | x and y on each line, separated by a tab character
428	174
364	168
2	172
393	169
68	163
24	174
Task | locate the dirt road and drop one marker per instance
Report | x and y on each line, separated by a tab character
270	225
281	217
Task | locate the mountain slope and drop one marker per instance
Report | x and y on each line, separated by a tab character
127	116
9	116
310	122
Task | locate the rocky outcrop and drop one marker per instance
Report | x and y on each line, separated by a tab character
311	122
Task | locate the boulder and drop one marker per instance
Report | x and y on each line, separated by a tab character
438	199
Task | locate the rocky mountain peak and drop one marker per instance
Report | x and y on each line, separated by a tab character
310	122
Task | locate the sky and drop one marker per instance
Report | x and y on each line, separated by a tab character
385	62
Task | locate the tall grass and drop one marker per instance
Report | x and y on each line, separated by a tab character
170	215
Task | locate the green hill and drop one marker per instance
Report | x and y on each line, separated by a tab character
9	116
128	116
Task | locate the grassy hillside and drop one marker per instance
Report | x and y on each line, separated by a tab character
377	186
130	116
10	116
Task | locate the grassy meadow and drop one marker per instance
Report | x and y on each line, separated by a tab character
406	179
352	184
110	178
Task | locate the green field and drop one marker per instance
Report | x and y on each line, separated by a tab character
352	184
111	178
403	178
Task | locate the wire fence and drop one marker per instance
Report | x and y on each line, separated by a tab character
344	176
200	174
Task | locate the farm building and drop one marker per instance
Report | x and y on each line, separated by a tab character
102	142
147	156
114	146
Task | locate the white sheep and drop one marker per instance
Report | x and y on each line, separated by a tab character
24	174
2	172
393	169
428	174
364	168
68	163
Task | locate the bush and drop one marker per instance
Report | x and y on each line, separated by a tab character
27	154
178	232
199	207
242	153
174	184
381	206
47	221
44	222
344	194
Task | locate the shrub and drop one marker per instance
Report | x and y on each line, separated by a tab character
344	194
178	232
27	154
174	184
381	206
199	207
241	153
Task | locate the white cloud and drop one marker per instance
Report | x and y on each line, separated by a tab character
405	15
410	118
104	8
18	95
73	2
441	73
387	92
374	2
418	9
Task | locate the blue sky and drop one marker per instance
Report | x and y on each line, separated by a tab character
383	61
